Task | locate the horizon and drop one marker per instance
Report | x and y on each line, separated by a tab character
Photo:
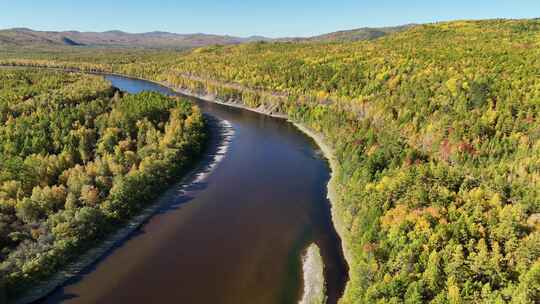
252	151
256	35
244	19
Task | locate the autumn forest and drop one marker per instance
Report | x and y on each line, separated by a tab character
435	130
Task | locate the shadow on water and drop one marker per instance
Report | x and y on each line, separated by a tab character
220	136
63	295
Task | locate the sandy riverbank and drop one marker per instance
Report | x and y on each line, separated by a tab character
332	196
235	104
319	139
314	284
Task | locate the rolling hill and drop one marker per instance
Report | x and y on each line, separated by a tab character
365	33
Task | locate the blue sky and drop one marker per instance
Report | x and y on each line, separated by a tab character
273	18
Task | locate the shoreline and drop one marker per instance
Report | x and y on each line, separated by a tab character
332	196
320	141
214	99
207	97
218	144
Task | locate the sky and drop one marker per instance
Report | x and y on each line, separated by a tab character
271	18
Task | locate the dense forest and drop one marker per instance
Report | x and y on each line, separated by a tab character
77	160
436	131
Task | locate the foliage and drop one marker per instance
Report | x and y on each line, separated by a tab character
437	134
78	159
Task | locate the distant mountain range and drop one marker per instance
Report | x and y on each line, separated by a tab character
28	37
23	37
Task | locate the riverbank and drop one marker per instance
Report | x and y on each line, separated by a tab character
328	153
234	104
221	133
326	148
314	283
206	97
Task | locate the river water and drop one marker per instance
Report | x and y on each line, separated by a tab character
235	237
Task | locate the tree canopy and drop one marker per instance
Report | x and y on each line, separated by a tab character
436	131
77	159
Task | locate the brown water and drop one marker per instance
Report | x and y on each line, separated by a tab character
237	236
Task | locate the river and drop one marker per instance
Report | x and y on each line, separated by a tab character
236	237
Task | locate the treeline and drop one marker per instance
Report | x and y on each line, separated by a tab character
77	160
437	134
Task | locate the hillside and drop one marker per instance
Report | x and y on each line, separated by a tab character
437	136
359	34
436	131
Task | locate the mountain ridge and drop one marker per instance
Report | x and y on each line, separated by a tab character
26	37
112	38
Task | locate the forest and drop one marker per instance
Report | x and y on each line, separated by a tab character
436	130
78	159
